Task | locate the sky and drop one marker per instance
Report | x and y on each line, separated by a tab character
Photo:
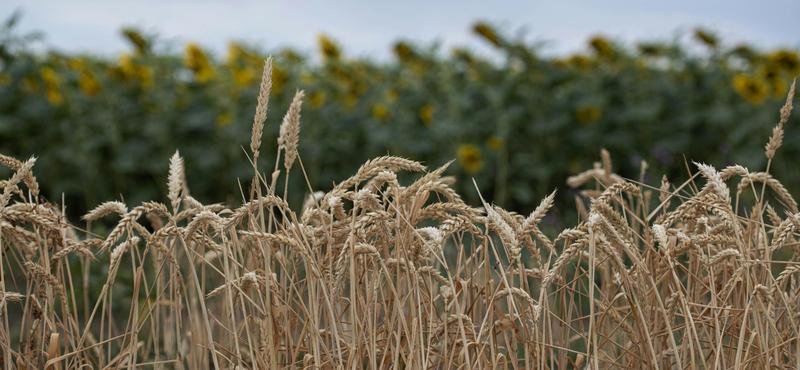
367	28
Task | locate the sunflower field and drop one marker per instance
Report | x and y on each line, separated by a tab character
516	121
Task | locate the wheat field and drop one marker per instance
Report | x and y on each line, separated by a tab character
380	272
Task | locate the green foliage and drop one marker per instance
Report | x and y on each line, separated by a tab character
518	122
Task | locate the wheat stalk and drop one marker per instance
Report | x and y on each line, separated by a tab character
290	130
262	105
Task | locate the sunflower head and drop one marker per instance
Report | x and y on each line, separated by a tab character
317	98
602	47
49	76
426	114
495	143
751	88
380	111
786	60
404	51
651	49
706	37
487	32
329	49
135	38
579	61
588	114
88	83
469	156
196	60
224	118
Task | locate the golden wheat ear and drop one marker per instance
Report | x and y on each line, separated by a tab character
175	180
261	109
776	139
290	131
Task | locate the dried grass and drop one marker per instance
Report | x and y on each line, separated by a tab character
377	274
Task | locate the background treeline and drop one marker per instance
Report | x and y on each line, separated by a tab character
517	121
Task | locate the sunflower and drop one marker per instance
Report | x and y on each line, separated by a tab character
588	114
463	55
485	31
88	83
196	60
243	76
130	70
651	49
145	75
752	89
126	65
706	37
469	156
52	83
578	61
317	98
50	76
239	56
224	118
54	96
772	75
404	52
245	65
350	100
602	47
236	52
426	114
786	60
77	64
495	143
329	49
139	42
380	111
391	95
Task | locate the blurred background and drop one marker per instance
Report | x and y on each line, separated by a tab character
520	95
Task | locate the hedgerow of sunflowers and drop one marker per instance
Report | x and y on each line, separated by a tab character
517	121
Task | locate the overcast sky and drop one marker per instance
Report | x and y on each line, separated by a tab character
366	28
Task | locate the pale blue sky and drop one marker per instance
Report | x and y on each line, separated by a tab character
366	28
